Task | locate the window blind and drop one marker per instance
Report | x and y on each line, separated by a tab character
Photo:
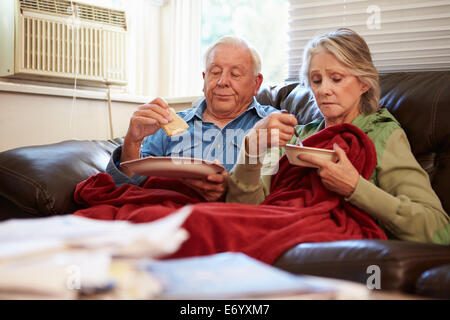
403	35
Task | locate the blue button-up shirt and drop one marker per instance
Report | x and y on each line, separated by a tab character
202	140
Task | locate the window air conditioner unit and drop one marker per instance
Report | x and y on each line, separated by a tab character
62	41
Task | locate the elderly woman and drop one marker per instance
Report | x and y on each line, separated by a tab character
338	69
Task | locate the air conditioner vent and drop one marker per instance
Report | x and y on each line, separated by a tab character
103	15
80	10
62	7
50	45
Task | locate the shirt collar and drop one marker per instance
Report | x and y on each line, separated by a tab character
200	105
259	110
197	110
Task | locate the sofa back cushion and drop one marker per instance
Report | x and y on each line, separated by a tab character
421	103
40	180
419	100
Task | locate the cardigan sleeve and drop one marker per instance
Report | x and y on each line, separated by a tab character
250	178
404	201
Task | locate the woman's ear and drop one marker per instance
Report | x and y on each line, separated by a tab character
364	87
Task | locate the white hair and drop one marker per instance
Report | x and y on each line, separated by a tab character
236	41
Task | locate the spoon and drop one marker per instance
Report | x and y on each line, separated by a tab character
299	141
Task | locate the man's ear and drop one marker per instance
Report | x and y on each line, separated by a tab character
258	81
203	74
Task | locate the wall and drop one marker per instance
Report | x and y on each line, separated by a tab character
33	119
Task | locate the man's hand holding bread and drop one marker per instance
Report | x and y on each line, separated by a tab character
146	120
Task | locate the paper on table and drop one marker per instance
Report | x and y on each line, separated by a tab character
68	274
155	239
151	240
56	276
54	257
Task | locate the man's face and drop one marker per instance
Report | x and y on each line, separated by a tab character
229	80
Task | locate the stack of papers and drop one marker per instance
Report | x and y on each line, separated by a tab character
59	257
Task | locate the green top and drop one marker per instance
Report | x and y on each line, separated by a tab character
398	195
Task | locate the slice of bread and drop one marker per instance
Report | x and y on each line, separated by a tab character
177	126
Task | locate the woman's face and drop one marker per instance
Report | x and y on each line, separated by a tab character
336	90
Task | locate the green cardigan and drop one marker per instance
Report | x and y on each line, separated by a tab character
398	195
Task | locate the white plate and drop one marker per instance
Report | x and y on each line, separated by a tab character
172	167
292	151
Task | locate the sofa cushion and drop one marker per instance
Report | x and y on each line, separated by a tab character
421	103
9	210
40	180
400	262
435	283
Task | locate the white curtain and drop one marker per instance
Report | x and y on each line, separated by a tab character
163	46
143	52
181	60
403	35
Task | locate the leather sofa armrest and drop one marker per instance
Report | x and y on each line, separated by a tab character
400	262
40	180
435	283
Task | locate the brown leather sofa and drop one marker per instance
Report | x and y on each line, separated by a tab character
39	181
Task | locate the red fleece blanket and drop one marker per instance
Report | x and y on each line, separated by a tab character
299	208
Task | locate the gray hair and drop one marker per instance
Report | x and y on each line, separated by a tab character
351	50
236	41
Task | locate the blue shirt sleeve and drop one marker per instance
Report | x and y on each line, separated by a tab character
155	145
118	176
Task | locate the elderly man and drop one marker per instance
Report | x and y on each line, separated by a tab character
217	124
